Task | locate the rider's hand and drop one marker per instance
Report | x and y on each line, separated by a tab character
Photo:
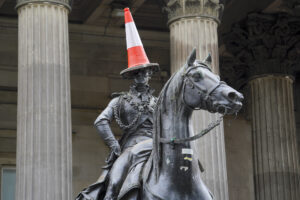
115	152
116	148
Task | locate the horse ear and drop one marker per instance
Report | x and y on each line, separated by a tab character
192	57
208	60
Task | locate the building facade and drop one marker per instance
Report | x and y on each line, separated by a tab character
60	61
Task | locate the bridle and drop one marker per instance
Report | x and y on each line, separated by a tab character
207	94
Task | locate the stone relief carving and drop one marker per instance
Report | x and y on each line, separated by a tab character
187	8
262	44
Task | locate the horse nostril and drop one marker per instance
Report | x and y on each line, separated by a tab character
232	95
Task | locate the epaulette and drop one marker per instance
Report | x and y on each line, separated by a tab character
117	94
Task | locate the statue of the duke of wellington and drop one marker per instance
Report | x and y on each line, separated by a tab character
154	160
133	112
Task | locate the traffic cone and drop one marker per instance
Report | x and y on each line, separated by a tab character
137	58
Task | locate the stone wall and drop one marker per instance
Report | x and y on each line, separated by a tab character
8	93
238	144
297	108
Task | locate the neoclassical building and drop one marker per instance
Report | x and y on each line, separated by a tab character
60	60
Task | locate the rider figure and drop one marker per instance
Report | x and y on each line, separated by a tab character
133	111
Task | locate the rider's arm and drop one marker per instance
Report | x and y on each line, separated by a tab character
102	125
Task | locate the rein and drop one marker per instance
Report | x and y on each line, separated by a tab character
195	137
210	126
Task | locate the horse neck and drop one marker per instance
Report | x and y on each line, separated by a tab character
176	123
177	159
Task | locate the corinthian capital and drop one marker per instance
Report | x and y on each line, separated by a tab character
66	3
178	9
264	44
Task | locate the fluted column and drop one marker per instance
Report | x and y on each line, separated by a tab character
276	164
194	24
44	154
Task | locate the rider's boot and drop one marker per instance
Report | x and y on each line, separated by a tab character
113	190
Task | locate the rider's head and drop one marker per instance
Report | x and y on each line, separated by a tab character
142	76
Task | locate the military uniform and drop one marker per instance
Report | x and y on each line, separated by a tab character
133	112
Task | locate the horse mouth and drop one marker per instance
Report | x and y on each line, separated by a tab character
226	109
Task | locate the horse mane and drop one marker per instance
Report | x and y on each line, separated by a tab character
175	84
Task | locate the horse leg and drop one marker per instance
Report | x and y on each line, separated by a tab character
117	175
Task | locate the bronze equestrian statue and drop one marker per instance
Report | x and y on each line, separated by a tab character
167	174
162	168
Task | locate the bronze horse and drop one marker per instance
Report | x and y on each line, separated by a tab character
173	170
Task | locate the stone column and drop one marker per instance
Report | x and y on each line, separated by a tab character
276	164
266	50
194	23
44	152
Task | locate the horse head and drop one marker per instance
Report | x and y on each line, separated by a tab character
204	90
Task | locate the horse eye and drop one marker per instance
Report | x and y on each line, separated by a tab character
197	76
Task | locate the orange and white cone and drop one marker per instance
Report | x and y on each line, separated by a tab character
137	58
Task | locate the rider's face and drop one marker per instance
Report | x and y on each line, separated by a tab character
142	76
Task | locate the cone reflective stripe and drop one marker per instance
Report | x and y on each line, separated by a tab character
135	50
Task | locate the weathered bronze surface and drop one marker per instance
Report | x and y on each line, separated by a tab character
165	167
